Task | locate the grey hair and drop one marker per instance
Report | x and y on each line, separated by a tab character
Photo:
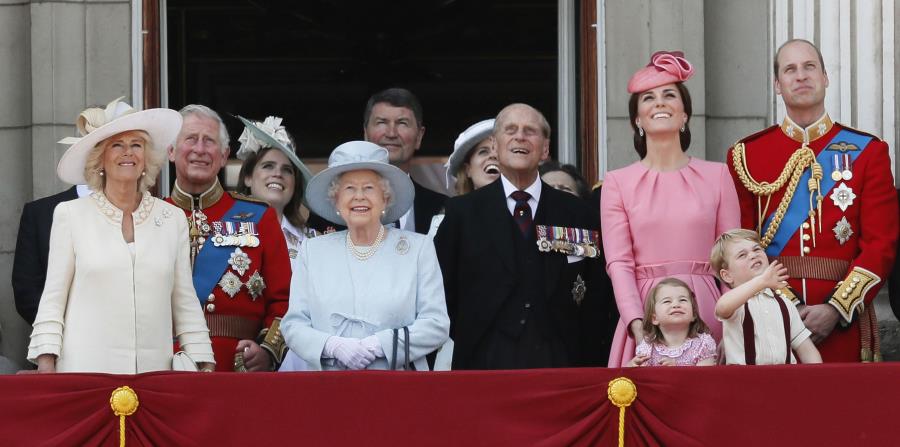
153	162
206	112
385	186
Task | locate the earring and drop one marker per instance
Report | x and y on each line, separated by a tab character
640	131
143	173
383	212
682	127
338	213
101	173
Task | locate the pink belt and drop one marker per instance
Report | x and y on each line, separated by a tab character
672	268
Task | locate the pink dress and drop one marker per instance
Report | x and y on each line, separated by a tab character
663	224
693	350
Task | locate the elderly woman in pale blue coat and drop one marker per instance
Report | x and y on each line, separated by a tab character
364	297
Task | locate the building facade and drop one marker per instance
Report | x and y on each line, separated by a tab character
57	57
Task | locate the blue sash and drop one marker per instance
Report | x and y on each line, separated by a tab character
798	210
212	261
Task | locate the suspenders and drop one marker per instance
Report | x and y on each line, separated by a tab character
750	339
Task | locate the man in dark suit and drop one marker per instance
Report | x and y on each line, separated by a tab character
33	248
393	120
512	305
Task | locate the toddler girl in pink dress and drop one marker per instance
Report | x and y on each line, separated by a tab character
674	333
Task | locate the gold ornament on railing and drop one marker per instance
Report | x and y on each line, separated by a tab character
621	392
124	402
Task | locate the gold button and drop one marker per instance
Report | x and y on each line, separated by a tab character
210	307
806	250
843	295
806	237
856	278
805	225
211	298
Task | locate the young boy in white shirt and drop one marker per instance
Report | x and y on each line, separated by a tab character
759	325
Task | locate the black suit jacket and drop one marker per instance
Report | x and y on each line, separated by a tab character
475	249
426	204
32	249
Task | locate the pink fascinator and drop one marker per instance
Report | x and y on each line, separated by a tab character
665	67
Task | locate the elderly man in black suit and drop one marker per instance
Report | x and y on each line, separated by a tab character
512	304
32	249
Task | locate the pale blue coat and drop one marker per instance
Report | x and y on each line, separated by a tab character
333	293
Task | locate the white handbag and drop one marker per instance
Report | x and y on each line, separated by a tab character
182	361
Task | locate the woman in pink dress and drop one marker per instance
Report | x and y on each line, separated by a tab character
661	215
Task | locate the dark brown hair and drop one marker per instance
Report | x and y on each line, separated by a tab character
651	331
292	208
640	142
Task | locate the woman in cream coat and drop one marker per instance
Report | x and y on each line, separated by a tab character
357	292
118	283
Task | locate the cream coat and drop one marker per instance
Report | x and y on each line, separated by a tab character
101	311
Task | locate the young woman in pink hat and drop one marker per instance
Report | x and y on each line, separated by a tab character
661	215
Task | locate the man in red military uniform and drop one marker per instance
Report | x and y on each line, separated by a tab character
821	195
242	271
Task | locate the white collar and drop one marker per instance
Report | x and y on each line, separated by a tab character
534	189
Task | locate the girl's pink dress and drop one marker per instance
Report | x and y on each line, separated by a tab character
663	224
689	353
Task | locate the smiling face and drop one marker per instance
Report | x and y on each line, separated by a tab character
198	154
521	141
661	110
745	260
673	307
395	129
360	198
123	157
482	167
273	179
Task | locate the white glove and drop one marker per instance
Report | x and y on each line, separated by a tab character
349	351
373	345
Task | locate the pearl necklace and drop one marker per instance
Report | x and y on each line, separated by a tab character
368	252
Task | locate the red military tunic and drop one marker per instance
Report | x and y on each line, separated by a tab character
856	246
238	317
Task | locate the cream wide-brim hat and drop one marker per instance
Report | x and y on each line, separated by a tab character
464	144
268	141
356	156
162	125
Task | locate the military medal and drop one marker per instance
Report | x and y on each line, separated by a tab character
255	285
843	196
846	174
569	241
578	289
402	245
239	261
835	164
230	284
842	230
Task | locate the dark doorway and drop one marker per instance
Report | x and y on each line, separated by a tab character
315	63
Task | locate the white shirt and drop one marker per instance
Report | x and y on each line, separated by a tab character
534	189
408	220
768	330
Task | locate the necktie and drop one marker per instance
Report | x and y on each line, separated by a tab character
522	212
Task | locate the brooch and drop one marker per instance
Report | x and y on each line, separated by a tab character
255	285
239	261
578	289
842	230
230	284
843	196
402	245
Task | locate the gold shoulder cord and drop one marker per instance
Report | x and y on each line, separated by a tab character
793	169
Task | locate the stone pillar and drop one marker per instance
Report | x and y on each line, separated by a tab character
634	30
738	96
15	151
58	58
